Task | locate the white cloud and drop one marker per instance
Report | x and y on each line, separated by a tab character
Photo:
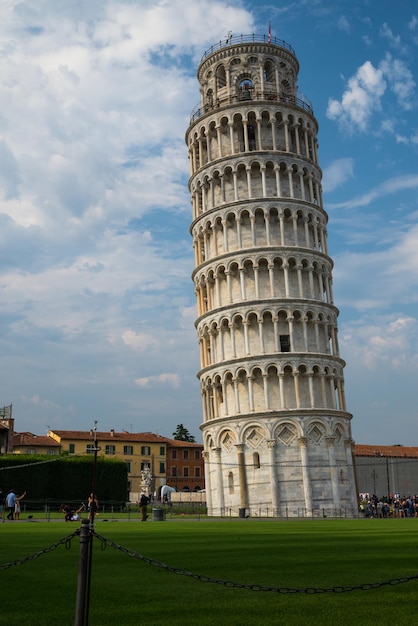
413	23
139	341
400	81
337	173
343	24
360	99
394	40
381	276
172	380
370	342
365	90
390	186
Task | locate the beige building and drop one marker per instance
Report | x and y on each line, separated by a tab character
28	443
276	430
144	454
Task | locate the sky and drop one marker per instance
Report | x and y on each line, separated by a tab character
97	306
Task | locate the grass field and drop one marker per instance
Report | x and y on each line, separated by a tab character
127	591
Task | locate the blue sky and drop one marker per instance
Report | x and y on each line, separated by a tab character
96	301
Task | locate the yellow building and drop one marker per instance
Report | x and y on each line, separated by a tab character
28	443
140	451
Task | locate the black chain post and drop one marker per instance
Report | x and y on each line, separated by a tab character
86	550
81	604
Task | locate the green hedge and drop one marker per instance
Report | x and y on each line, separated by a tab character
63	478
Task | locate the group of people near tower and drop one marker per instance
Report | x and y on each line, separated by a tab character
388	506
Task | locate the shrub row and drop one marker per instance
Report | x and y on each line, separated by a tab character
63	478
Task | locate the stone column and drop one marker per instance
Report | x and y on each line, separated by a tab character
281	388
307	489
243	489
219	480
273	133
351	478
250	393
231	137
271	444
333	472
219	140
208	487
242	283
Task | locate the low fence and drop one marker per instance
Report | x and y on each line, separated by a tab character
182	503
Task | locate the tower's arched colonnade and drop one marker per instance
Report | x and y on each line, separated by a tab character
276	431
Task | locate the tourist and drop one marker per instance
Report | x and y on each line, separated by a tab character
17	506
92	506
143	506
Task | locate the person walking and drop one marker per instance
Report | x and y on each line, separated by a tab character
143	506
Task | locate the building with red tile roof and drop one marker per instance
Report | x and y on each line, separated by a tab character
385	470
28	443
177	463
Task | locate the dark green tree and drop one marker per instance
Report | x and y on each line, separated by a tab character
182	434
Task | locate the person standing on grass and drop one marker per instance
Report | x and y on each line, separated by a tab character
143	506
10	503
92	506
17	506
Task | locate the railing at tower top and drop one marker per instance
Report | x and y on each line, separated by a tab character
240	39
246	96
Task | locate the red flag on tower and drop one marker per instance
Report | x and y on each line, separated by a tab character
269	34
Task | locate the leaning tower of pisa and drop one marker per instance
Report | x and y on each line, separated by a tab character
276	432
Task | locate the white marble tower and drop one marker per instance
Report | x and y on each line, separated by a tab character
276	432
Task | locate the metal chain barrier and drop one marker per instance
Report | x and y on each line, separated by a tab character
208	579
36	555
254	587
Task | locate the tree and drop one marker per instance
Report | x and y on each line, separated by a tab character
182	434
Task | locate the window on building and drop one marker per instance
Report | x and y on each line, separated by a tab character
251	137
144	465
31	451
185	454
110	449
145	450
90	447
162	450
174	471
256	460
185	471
129	485
285	343
197	454
128	466
245	88
197	472
174	454
52	452
231	482
162	468
71	448
128	449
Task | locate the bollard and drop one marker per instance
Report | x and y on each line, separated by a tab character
81	609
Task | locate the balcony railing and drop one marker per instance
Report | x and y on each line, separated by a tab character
240	39
254	96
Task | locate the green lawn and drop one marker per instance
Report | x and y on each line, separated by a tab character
280	554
